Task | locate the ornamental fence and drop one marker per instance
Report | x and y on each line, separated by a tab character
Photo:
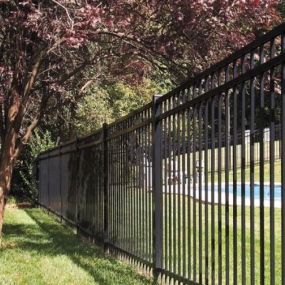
192	184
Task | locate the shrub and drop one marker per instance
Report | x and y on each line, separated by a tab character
25	178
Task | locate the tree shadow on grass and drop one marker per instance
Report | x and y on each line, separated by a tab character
49	238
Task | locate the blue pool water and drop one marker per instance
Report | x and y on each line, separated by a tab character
222	198
256	189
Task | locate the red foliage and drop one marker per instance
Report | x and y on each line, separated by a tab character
185	36
50	44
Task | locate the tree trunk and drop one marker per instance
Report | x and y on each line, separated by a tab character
5	182
6	171
2	207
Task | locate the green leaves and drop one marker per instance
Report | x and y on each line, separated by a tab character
24	175
106	103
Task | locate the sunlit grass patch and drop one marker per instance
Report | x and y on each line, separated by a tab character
36	249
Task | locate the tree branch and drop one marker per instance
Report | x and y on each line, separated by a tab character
25	139
66	10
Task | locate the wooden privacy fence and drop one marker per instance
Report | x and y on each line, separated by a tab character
192	184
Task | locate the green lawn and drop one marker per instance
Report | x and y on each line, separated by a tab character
277	173
37	250
177	229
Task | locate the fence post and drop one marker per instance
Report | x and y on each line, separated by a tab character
60	179
48	184
37	162
76	187
157	188
105	175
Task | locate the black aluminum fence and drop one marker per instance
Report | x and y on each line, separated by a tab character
192	184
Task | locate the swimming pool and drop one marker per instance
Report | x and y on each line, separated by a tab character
256	191
188	189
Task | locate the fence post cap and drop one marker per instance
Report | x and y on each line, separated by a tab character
156	96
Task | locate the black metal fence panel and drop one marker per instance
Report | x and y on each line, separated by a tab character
69	204
54	184
130	185
65	186
43	183
90	190
191	184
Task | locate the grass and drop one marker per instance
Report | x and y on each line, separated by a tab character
277	173
184	226
37	250
238	156
177	230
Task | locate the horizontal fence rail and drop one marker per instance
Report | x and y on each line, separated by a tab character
192	184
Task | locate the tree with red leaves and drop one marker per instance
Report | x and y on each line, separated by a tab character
50	48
